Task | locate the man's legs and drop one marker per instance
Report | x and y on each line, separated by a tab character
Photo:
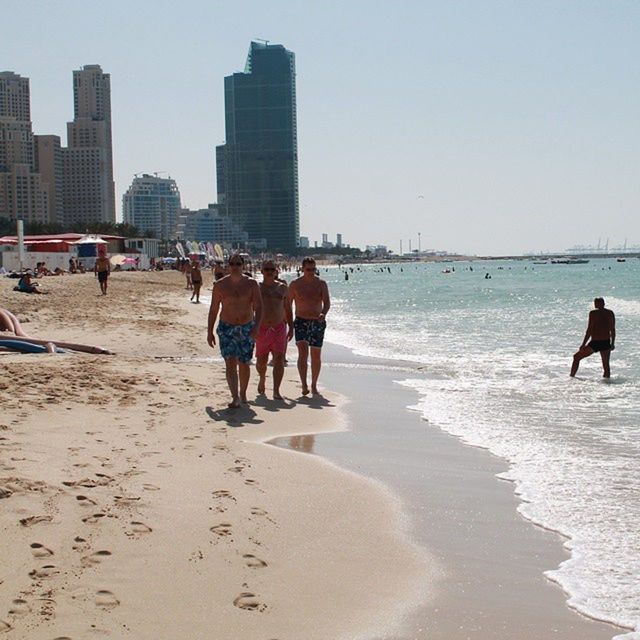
316	363
606	355
278	373
303	354
244	371
583	352
231	365
261	368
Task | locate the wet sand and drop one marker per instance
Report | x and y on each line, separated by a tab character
492	586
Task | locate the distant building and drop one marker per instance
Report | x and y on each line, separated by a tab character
378	250
211	225
152	205
89	191
149	247
257	167
304	242
325	242
50	165
338	240
22	194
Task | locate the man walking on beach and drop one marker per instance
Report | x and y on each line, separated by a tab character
102	269
310	296
276	328
241	302
602	331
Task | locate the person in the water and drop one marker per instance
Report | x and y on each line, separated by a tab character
602	332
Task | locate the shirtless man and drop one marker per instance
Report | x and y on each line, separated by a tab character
239	297
602	331
273	334
102	269
310	295
196	281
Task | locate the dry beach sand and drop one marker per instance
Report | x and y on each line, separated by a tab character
134	505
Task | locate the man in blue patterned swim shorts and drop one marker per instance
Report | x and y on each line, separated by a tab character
239	298
310	296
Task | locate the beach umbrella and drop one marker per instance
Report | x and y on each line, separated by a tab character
219	253
117	259
180	249
90	240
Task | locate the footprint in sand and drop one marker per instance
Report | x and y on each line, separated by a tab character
83	500
164	465
31	520
257	511
94	518
95	558
106	600
248	602
254	562
48	571
126	499
150	487
251	482
221	530
140	527
222	493
19	608
5	626
40	551
236	469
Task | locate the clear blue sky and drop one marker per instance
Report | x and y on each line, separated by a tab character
517	121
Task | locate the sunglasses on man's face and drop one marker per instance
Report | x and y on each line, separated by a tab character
235	264
268	268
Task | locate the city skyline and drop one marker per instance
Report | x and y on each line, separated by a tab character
516	124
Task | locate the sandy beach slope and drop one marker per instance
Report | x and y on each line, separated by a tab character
133	505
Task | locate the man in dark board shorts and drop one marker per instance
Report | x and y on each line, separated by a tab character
602	331
102	269
310	296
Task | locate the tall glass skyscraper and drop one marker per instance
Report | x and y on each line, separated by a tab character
257	167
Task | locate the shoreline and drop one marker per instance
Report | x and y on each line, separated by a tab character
542	608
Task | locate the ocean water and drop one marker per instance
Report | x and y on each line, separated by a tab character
496	354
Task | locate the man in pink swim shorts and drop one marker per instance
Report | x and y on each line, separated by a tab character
276	328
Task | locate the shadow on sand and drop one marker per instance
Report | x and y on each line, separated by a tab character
315	402
240	417
273	405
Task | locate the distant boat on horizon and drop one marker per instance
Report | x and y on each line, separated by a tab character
569	261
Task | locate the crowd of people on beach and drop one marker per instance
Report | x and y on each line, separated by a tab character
266	315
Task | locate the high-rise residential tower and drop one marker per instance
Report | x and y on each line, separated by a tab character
257	167
22	194
152	204
89	191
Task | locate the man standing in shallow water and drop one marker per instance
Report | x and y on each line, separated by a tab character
273	335
239	297
310	295
602	331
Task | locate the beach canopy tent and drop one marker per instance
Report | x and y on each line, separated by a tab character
58	242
